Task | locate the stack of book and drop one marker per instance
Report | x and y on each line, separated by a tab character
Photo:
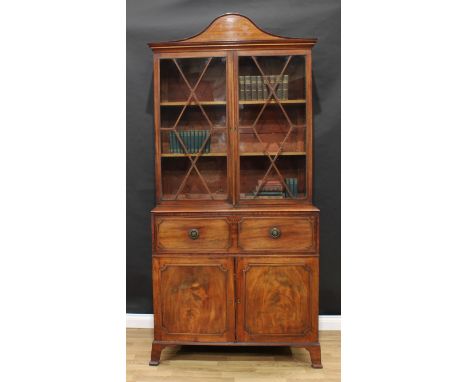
254	88
193	140
292	185
272	189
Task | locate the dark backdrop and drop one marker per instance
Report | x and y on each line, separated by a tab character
150	20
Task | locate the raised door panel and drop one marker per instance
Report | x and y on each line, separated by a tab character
194	299
278	300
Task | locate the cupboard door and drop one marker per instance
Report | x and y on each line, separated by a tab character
278	299
193	142
273	126
194	299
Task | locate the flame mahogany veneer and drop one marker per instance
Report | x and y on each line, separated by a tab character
226	270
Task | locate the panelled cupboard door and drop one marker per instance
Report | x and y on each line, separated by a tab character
277	299
194	299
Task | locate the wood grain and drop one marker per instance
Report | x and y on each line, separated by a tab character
234	284
296	234
173	234
275	299
195	299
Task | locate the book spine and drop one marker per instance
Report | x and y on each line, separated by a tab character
285	87
209	143
253	81
242	88
259	88
196	141
182	137
192	141
205	133
272	79
176	144
171	142
265	88
279	91
248	88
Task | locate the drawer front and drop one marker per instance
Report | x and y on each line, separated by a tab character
190	234
279	233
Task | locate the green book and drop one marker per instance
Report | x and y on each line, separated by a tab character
259	88
176	143
266	91
182	137
191	141
242	88
253	81
272	79
196	143
279	88
248	88
171	142
285	86
270	193
200	139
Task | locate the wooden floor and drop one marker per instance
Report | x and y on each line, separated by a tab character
230	364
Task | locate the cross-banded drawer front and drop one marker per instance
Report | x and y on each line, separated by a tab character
190	234
278	233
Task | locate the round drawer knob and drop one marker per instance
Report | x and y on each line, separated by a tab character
275	233
194	234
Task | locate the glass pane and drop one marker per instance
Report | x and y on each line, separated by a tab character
272	120
193	128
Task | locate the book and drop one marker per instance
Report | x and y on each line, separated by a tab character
266	91
264	193
197	140
285	87
279	89
259	88
242	88
253	81
248	88
272	79
192	141
171	142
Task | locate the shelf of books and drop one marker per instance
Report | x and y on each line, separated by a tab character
272	120
193	140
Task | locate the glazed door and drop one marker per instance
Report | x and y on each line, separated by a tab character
193	142
274	125
194	299
277	299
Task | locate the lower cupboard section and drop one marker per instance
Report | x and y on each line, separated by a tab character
244	299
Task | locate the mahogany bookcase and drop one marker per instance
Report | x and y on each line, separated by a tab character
235	235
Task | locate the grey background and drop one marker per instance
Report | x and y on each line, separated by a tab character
152	21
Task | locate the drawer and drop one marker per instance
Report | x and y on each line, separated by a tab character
192	234
279	233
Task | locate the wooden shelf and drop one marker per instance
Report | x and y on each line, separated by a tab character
192	103
195	197
252	102
259	197
261	102
179	155
252	154
257	154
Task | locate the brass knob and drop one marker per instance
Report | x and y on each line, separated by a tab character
194	234
275	233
